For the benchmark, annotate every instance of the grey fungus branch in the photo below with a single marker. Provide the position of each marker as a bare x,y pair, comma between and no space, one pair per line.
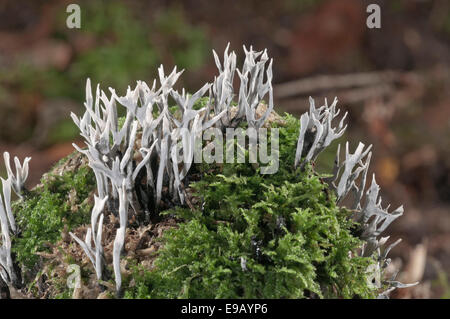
94,234
316,133
18,180
9,271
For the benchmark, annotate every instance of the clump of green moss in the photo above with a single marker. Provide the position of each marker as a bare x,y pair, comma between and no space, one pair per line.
60,201
258,236
249,235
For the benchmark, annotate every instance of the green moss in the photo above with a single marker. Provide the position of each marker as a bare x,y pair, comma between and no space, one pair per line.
41,217
202,102
295,241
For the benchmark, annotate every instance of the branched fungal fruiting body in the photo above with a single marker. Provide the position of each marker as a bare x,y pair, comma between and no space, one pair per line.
353,166
119,241
18,180
8,271
94,234
5,204
316,131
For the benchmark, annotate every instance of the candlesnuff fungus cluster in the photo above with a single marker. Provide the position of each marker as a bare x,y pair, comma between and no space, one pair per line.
18,180
9,272
142,161
316,133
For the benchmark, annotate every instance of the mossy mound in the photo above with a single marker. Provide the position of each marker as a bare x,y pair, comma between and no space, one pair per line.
244,235
258,236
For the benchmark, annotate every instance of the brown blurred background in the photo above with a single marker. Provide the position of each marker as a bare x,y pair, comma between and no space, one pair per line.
394,81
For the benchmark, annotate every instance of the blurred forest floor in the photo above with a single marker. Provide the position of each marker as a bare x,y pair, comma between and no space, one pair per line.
394,81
